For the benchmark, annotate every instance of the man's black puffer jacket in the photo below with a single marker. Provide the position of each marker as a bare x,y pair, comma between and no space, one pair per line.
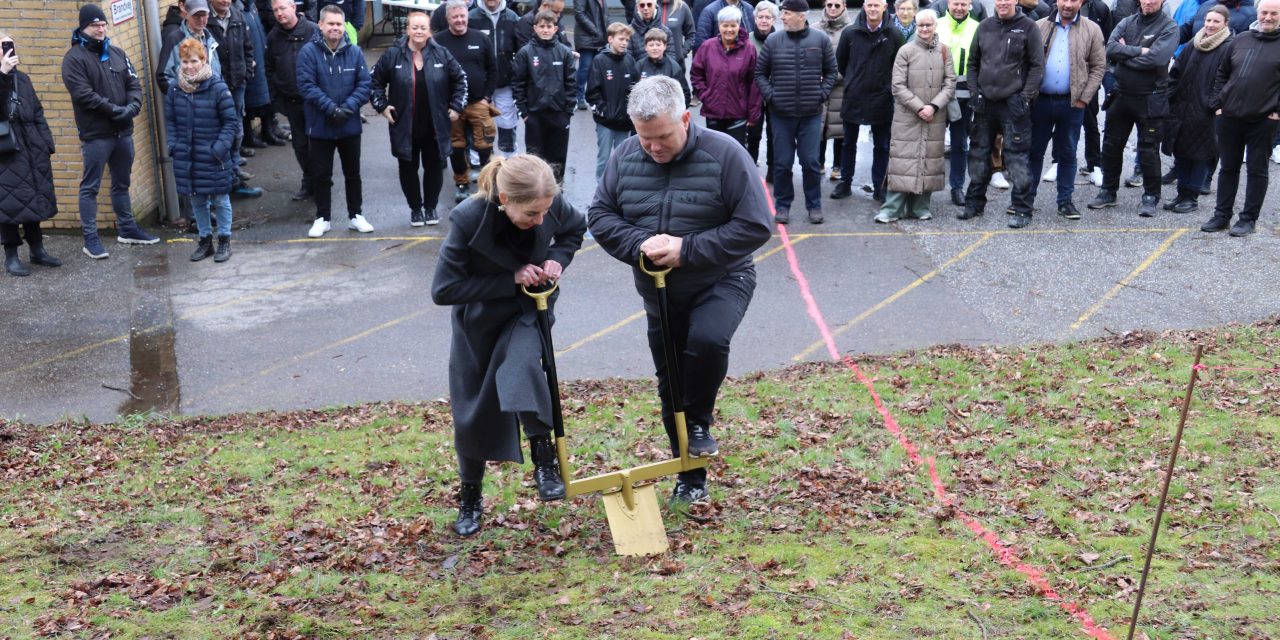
99,77
796,71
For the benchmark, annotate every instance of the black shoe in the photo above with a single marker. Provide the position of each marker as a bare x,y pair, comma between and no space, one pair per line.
546,469
957,197
1148,208
1018,220
470,510
1103,200
815,216
271,137
701,444
13,265
243,175
878,196
1216,223
301,194
204,249
1241,228
41,257
1169,178
1069,211
1185,205
841,191
464,192
1134,180
429,216
970,211
583,106
688,493
223,252
417,218
247,152
782,217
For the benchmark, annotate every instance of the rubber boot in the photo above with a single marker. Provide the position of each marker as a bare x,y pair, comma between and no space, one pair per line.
223,253
470,510
546,469
203,250
39,255
12,264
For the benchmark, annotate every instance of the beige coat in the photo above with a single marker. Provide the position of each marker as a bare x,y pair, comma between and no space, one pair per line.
832,124
922,74
1088,54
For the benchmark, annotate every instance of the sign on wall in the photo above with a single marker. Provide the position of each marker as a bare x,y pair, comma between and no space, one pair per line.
121,11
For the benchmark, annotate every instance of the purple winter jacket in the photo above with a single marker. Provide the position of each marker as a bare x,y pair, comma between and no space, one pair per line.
725,81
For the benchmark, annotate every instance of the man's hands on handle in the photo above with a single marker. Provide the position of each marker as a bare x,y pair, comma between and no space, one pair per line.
532,275
663,250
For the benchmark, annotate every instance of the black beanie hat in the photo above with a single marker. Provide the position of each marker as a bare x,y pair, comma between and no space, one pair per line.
91,13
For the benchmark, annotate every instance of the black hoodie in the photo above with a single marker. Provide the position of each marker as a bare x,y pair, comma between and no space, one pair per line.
1248,82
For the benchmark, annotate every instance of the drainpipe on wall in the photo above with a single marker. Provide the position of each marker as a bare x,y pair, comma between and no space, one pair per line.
150,33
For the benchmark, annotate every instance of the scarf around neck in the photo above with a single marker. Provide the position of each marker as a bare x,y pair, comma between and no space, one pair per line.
1206,43
190,83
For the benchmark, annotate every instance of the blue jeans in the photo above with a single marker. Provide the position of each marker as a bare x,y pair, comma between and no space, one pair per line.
879,153
960,145
584,69
1192,173
1053,118
606,140
237,96
116,155
205,206
796,136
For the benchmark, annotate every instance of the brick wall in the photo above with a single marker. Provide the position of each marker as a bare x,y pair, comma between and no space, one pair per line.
41,30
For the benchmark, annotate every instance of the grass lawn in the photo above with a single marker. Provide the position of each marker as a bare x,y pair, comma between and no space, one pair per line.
335,523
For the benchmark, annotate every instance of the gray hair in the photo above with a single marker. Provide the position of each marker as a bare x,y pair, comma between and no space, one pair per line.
655,96
927,13
766,6
912,3
729,14
455,4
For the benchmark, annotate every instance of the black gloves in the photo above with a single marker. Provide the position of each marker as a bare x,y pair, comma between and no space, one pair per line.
339,115
122,113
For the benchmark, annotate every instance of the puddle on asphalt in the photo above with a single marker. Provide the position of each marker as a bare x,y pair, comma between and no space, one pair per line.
153,361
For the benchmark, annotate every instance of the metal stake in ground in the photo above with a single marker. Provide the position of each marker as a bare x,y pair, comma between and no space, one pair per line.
1164,492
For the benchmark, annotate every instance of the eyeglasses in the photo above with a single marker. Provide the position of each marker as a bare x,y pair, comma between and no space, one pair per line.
834,5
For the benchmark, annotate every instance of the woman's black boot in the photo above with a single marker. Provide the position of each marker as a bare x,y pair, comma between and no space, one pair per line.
203,250
39,255
12,264
546,468
470,510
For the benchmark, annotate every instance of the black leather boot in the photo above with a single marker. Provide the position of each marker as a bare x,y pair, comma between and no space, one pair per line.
470,510
203,250
546,468
40,256
251,138
223,253
12,264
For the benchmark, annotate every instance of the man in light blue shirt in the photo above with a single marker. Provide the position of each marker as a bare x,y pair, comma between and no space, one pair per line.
1074,63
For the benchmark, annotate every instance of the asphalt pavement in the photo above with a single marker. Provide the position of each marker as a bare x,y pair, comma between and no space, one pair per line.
292,322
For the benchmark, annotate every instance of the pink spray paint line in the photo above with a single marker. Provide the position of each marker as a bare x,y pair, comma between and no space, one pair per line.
1005,555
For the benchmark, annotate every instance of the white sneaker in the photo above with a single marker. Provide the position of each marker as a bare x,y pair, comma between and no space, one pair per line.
1051,174
1096,177
1275,154
358,223
319,228
998,181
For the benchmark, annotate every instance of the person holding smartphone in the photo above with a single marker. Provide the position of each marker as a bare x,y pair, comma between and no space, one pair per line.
26,173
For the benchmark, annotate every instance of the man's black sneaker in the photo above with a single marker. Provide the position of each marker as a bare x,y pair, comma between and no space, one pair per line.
1241,228
416,218
957,197
688,493
1103,200
1216,223
1185,205
700,441
429,216
1068,210
1148,207
841,191
782,217
1018,220
970,211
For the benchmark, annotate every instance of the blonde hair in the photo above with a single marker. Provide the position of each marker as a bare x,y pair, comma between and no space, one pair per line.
523,177
618,27
192,48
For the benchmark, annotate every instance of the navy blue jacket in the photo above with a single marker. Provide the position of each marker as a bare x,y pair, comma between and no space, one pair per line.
328,80
201,127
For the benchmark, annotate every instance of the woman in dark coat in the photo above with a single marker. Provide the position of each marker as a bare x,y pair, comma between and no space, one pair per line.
420,88
516,230
201,120
26,174
1189,133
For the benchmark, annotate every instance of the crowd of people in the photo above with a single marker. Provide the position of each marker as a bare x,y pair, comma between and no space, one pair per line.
1198,81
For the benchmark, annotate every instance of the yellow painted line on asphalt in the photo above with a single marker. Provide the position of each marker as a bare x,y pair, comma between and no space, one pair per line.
240,299
998,232
898,294
1164,246
640,314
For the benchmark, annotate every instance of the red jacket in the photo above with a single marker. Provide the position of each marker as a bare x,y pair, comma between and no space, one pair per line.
724,80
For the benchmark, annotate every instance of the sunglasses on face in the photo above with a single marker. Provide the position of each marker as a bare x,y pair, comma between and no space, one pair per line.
834,5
